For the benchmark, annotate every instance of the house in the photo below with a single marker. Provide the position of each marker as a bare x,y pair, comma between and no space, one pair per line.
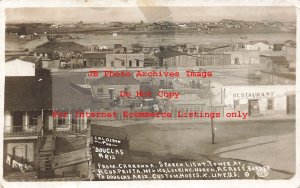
149,62
289,53
27,106
238,46
134,60
120,50
258,45
187,48
176,59
265,96
165,57
69,96
281,50
95,59
55,50
168,48
74,63
290,43
70,131
36,60
117,46
71,154
210,49
214,59
181,48
257,100
71,62
279,78
278,47
276,64
244,57
205,47
136,47
30,102
10,55
150,50
220,49
24,66
95,48
108,88
19,67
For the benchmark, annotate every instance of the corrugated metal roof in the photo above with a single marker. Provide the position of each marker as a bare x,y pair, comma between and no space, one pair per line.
64,46
27,93
262,41
30,59
67,95
167,54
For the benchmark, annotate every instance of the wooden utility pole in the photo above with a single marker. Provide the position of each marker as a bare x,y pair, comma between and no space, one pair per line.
212,120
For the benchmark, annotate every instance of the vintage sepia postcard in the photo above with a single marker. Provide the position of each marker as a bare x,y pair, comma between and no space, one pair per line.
141,92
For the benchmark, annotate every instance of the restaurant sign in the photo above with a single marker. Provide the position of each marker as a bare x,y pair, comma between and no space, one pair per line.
259,95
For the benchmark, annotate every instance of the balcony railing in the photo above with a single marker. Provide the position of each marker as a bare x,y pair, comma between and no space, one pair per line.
33,130
20,130
70,129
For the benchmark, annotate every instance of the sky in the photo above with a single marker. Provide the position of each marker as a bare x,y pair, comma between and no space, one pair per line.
149,14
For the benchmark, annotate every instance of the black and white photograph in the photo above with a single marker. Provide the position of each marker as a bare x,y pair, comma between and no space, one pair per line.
144,93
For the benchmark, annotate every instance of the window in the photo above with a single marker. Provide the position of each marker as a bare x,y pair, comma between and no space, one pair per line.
112,64
161,83
102,63
236,104
127,89
33,119
193,84
123,63
200,84
137,62
100,90
236,61
130,63
98,64
61,121
270,104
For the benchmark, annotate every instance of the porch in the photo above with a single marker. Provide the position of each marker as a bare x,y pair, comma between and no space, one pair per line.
20,131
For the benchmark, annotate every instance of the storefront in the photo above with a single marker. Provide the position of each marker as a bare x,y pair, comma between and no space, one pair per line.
259,100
